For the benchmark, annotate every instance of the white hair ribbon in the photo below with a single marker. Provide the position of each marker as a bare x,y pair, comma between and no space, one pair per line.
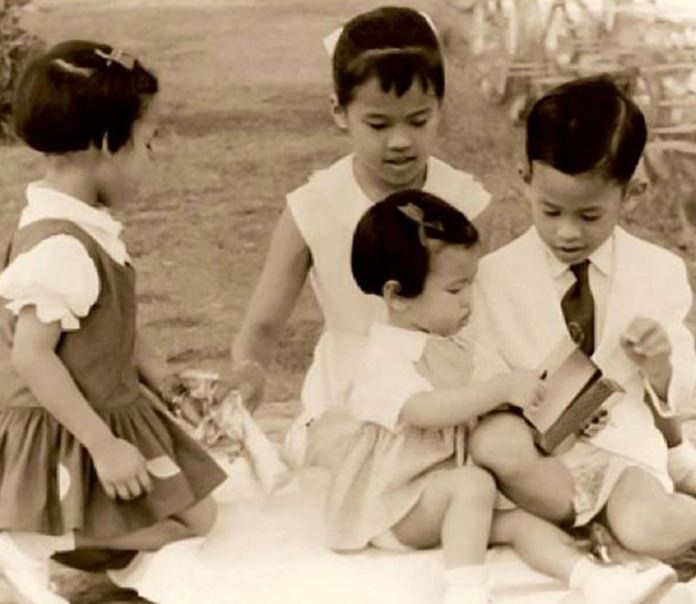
331,40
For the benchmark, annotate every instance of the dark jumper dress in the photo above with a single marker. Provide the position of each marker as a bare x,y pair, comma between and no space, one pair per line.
48,483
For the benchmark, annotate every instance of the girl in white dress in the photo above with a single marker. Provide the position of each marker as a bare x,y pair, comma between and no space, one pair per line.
388,88
403,482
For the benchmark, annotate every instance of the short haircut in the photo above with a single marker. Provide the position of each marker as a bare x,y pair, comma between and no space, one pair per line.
74,96
388,242
398,45
587,125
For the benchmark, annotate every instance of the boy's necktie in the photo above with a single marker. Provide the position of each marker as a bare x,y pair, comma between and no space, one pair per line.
578,308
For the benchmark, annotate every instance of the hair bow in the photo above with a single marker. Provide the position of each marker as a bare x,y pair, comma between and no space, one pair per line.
117,55
415,213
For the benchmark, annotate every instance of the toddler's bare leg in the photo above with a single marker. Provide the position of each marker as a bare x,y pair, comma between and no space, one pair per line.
503,444
456,511
539,543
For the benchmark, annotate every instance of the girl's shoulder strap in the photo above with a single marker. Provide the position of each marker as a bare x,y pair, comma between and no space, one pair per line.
27,237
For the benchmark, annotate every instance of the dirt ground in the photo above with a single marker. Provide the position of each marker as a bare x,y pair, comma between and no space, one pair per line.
245,119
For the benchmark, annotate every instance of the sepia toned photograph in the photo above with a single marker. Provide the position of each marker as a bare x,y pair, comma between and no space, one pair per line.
338,301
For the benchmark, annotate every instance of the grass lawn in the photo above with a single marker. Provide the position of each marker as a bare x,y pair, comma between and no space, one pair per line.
244,105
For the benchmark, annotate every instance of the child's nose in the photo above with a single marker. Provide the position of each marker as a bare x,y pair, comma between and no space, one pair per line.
398,138
568,230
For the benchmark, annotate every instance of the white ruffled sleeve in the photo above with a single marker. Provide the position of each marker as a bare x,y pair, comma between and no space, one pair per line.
57,276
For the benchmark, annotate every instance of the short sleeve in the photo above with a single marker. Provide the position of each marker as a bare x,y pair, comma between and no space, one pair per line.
380,394
57,276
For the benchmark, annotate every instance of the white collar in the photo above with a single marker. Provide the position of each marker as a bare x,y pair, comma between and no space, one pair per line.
45,203
602,258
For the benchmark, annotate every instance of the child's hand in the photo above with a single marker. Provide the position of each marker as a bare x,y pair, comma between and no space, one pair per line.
121,469
249,378
524,388
645,342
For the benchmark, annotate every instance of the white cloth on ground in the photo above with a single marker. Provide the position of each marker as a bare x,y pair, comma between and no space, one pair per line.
263,551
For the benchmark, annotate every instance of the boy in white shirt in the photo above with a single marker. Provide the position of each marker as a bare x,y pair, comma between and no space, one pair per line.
622,299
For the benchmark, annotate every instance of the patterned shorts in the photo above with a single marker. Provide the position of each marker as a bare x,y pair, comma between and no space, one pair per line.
595,473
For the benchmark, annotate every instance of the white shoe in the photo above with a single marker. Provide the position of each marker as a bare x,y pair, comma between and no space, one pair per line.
681,466
28,577
621,585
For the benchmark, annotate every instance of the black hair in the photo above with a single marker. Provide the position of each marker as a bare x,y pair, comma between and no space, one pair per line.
587,125
388,241
396,44
77,93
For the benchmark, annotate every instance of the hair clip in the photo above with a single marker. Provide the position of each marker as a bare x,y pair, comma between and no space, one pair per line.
117,55
415,213
67,67
331,40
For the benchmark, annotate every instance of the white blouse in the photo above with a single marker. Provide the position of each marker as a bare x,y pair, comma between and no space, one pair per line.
57,276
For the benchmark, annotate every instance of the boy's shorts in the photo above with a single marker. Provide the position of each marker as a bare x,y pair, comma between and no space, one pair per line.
595,473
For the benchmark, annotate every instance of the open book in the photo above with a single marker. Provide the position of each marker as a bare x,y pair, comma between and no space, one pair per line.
575,390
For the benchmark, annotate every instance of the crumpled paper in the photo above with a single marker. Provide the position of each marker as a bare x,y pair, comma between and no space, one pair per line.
227,426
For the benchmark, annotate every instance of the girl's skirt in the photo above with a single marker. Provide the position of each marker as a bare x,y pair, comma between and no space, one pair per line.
49,484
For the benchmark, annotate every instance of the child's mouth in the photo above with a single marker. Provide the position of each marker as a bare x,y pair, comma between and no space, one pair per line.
399,161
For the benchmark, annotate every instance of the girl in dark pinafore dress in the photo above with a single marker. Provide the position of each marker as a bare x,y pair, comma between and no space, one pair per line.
86,460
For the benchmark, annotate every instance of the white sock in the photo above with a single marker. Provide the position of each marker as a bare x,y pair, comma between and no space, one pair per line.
41,546
583,569
467,575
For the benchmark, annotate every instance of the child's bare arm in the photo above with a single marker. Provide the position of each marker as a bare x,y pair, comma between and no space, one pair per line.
444,407
120,466
283,276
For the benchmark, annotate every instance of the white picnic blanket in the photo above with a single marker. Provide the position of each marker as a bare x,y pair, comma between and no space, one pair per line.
267,550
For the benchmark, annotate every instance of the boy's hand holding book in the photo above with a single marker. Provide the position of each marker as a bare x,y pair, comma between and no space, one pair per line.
646,343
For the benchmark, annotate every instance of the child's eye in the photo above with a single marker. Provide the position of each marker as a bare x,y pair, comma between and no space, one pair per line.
590,217
377,125
419,123
552,213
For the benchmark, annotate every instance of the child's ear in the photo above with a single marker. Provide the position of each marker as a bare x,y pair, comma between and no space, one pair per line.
338,112
391,294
